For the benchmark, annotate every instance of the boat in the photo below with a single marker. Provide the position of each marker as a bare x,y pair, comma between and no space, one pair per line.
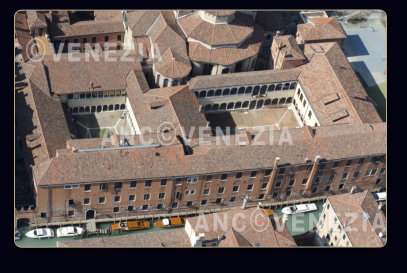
40,233
380,196
131,225
69,231
17,235
268,211
295,209
171,222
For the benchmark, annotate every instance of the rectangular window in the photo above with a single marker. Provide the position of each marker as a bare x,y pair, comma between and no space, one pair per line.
117,186
341,186
87,187
102,186
204,202
349,163
336,164
235,189
261,196
361,161
264,186
43,215
133,184
218,200
70,202
267,173
117,199
163,182
277,185
144,207
206,191
291,183
382,170
148,184
192,180
239,175
224,177
253,174
119,37
331,177
314,190
322,166
70,96
84,40
190,192
76,40
287,193
82,95
209,178
189,204
106,38
250,187
93,39
130,208
160,206
161,195
146,196
232,199
281,171
327,188
317,179
86,201
374,171
67,187
177,195
178,181
132,198
275,195
221,190
71,213
345,176
174,205
102,200
378,181
356,174
304,181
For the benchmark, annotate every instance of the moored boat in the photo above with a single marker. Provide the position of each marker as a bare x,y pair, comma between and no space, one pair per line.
268,211
380,196
131,225
171,222
17,235
295,209
40,233
69,231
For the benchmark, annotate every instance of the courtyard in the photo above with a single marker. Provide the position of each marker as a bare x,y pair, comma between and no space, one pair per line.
254,120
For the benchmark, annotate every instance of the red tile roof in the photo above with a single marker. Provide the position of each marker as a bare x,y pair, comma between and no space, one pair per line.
289,45
321,29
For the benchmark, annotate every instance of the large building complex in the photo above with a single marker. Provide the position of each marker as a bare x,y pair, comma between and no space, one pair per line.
303,129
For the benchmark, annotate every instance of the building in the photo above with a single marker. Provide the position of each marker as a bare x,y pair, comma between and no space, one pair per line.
333,139
352,219
286,53
320,29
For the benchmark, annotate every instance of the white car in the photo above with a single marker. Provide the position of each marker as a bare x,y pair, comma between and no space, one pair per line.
40,233
69,231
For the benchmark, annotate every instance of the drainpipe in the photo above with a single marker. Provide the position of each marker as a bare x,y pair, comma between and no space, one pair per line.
313,172
246,198
272,176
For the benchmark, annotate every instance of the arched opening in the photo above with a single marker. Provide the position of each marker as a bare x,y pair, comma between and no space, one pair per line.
245,104
256,90
175,83
122,106
211,93
165,83
23,222
289,100
267,102
99,109
271,87
104,108
75,109
233,91
259,104
225,70
263,90
241,91
81,109
226,92
274,102
238,105
208,107
230,105
116,107
218,92
279,86
248,90
111,107
293,85
202,94
223,106
87,109
90,214
196,94
215,107
252,104
286,86
282,101
93,109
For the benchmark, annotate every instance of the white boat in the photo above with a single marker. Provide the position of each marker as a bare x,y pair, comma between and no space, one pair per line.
40,233
380,196
17,235
295,209
69,231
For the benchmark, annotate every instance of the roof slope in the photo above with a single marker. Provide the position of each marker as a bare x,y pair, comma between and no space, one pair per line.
321,29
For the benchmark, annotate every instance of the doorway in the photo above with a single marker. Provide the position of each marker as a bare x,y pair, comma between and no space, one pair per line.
90,214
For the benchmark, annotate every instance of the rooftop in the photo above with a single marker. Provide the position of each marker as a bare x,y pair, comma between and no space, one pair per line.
321,29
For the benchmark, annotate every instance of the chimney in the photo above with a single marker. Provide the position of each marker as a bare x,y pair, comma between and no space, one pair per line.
353,189
276,161
317,158
259,205
277,33
246,198
380,206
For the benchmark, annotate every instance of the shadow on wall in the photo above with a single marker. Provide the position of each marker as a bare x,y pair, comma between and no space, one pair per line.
353,46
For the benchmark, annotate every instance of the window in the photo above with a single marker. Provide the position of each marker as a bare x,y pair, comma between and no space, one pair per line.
177,195
116,209
221,190
287,193
86,201
67,187
160,206
235,189
106,38
148,184
206,191
146,196
209,178
331,177
224,177
117,186
277,185
309,114
87,187
117,199
204,202
336,164
382,170
192,180
264,186
239,175
261,196
317,179
378,181
250,187
163,182
291,183
322,166
281,171
345,176
232,199
268,172
43,215
189,204
349,162
341,186
374,171
76,40
218,200
253,174
190,192
71,213
356,174
144,207
132,198
274,195
102,200
174,205
314,190
119,37
178,181
70,202
327,188
161,195
84,40
361,161
304,181
133,184
93,39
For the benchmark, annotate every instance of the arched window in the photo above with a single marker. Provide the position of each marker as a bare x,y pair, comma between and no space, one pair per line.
104,108
99,109
248,90
233,91
271,87
279,86
165,82
252,104
289,100
81,109
267,102
263,90
211,93
256,90
87,109
282,101
241,91
215,107
293,85
111,107
226,92
245,104
202,94
286,86
223,106
75,109
260,104
225,70
174,82
93,109
122,106
218,92
116,107
238,105
274,102
208,107
230,105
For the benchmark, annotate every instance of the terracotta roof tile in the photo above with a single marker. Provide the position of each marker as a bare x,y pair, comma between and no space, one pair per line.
321,29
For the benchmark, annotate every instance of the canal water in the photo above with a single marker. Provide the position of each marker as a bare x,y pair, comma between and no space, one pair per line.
297,224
